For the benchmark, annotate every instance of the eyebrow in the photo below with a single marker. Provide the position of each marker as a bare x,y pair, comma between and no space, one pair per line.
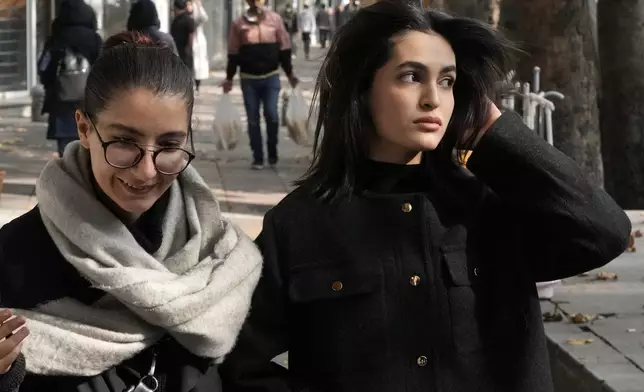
136,132
419,65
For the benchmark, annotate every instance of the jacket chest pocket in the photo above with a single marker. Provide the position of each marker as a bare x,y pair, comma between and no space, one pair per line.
466,300
338,318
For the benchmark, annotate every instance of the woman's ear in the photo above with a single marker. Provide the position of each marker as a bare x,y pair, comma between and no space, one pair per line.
83,125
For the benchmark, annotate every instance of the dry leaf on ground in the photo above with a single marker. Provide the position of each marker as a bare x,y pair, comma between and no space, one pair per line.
631,330
606,276
638,234
552,317
581,318
631,244
580,341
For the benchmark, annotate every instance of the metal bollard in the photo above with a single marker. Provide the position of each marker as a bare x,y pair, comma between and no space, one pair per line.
37,102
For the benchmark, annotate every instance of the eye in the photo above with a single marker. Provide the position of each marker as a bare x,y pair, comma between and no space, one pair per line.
171,144
410,77
447,82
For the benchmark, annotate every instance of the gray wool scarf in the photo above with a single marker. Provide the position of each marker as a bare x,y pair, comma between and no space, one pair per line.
197,287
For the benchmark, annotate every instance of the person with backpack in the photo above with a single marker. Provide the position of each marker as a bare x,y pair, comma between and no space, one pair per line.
64,65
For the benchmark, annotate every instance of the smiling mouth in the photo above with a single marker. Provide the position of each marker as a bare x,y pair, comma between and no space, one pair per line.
136,189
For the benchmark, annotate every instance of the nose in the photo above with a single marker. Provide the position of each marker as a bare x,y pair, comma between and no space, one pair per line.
145,169
430,99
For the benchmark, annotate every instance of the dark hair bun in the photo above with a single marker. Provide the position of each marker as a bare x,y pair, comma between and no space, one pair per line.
130,38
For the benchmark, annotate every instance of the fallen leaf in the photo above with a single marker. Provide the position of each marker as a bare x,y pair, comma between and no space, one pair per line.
21,130
631,330
580,318
607,315
580,341
631,244
638,234
552,317
606,276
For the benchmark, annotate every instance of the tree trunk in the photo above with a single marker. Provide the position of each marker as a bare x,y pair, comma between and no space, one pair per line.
558,36
621,38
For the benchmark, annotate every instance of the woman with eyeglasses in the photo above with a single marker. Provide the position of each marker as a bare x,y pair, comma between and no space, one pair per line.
125,277
392,268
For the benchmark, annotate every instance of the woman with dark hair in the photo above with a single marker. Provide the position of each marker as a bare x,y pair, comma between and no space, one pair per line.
125,277
144,18
391,267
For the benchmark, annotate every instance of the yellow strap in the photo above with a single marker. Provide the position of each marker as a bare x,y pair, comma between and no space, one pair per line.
250,76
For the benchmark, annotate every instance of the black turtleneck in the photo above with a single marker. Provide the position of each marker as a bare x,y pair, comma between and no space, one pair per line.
393,178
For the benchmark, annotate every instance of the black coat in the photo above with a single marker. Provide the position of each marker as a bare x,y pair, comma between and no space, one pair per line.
74,29
427,291
32,271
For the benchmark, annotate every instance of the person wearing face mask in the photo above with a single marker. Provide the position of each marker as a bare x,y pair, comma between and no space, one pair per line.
258,45
125,276
392,268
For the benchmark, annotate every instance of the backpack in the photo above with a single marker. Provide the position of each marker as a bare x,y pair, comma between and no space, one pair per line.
71,77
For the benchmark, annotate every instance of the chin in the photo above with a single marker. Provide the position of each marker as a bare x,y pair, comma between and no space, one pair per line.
429,142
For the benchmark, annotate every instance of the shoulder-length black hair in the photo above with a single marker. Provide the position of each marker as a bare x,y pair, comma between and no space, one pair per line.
344,127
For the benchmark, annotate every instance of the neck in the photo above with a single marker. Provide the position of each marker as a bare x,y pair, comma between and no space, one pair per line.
391,154
255,11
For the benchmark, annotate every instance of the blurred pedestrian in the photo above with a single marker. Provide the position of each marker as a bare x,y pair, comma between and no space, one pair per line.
64,65
258,44
183,31
144,18
306,21
289,17
200,44
323,22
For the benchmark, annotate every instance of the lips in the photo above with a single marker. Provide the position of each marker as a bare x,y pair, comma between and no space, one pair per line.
136,189
429,120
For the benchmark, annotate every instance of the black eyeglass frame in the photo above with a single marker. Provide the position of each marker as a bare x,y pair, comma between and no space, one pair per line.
142,151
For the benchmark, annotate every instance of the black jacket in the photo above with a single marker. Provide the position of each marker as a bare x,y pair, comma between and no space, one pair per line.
32,271
426,291
75,29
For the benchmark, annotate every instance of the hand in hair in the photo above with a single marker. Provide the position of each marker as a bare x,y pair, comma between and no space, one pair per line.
493,114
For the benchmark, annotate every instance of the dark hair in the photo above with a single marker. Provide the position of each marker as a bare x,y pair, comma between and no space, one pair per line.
361,47
143,15
180,4
133,60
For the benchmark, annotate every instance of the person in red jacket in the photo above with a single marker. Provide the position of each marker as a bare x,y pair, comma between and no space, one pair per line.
258,44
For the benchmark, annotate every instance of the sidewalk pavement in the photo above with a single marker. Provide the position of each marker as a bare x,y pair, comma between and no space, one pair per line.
611,356
599,345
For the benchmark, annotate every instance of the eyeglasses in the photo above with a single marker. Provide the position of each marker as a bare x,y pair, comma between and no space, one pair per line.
122,154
